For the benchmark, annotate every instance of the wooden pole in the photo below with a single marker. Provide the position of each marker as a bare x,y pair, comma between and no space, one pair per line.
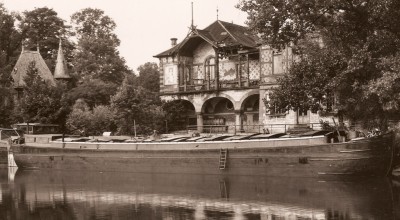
134,127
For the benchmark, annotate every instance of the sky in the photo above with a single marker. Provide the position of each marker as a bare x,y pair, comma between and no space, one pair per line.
144,26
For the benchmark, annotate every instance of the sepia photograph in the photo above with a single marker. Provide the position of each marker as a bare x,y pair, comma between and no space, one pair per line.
199,110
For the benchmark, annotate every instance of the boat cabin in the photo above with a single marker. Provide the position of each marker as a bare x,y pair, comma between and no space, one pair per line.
37,128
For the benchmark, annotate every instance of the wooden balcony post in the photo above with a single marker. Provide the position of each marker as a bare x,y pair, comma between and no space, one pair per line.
184,77
240,72
216,70
248,70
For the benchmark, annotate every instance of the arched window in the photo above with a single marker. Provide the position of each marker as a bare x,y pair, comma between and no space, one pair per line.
209,66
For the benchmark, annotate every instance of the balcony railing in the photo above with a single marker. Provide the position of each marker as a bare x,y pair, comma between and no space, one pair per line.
223,85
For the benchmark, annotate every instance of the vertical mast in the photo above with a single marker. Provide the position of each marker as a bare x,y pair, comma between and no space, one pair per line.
192,18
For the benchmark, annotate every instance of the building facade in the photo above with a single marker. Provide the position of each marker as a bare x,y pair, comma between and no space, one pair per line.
224,74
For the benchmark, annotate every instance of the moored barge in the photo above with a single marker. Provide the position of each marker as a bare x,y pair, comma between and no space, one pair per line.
264,155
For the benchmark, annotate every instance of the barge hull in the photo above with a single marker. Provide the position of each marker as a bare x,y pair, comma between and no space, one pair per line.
372,157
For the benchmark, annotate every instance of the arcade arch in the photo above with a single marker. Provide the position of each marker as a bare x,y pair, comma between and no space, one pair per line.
218,115
181,115
250,113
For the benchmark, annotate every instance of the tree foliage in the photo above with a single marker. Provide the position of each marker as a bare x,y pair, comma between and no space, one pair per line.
84,121
93,92
311,82
149,77
386,89
136,105
363,33
97,56
6,103
42,27
176,114
41,102
10,41
100,103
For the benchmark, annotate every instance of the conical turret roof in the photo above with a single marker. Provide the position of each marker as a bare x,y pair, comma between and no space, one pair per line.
21,67
61,71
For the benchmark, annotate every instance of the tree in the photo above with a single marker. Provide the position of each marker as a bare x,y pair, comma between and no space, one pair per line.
41,102
136,105
175,114
84,121
94,92
9,44
10,41
149,77
310,82
363,33
97,56
42,27
387,88
78,120
6,109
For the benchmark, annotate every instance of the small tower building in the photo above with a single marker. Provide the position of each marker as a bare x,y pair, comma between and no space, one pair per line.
19,72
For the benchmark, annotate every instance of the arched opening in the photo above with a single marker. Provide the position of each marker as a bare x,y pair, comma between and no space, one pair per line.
180,115
218,115
250,113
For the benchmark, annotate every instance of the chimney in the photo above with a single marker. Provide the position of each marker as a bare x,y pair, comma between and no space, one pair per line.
173,41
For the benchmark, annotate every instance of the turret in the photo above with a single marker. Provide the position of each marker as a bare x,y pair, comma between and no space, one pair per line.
61,71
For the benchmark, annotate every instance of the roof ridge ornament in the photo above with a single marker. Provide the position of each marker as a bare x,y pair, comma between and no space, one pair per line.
192,26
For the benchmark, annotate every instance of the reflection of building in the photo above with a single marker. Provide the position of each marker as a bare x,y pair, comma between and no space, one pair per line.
224,73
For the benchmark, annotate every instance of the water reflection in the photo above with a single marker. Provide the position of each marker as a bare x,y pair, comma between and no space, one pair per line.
93,195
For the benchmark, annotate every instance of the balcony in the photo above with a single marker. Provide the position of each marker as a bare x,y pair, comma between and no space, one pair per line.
199,86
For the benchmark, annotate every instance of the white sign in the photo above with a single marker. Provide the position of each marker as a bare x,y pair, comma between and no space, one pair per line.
171,75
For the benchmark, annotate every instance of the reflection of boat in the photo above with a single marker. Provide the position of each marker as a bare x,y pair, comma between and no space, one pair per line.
7,136
203,196
271,156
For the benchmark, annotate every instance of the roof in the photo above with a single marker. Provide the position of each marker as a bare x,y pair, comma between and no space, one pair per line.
20,69
61,71
219,34
34,124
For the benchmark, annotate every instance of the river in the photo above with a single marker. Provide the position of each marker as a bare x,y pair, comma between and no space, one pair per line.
43,194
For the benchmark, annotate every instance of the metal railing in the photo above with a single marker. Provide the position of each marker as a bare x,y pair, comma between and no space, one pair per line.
256,128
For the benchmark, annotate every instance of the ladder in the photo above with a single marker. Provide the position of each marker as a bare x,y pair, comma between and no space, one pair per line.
223,153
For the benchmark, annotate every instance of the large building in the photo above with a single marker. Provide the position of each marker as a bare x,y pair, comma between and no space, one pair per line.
224,73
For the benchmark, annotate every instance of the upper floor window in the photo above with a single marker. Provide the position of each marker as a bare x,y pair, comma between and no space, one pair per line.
209,66
278,62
